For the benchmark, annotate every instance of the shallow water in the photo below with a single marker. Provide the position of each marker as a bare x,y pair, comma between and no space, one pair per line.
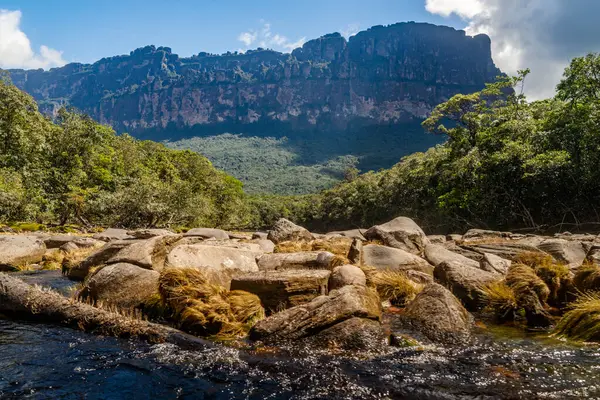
47,362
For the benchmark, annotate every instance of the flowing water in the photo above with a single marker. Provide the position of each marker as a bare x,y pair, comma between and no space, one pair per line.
39,361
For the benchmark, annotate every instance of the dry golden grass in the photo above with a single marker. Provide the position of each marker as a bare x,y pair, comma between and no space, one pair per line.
501,299
395,286
582,321
587,277
205,309
338,245
73,258
522,279
534,259
337,261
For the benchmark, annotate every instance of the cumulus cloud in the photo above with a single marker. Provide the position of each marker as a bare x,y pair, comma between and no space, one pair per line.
15,47
543,35
265,38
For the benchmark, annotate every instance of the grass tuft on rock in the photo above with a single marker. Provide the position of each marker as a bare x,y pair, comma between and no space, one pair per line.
206,309
501,299
587,278
582,321
395,286
522,279
534,259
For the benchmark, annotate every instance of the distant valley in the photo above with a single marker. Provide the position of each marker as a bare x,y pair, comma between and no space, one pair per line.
281,123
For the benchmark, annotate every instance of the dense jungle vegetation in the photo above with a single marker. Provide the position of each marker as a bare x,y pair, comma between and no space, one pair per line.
507,163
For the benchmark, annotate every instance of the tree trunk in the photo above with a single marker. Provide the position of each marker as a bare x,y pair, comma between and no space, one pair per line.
21,300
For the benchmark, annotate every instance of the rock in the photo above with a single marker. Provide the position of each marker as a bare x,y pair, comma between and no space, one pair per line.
436,239
265,245
69,247
346,275
382,257
260,235
436,255
123,285
285,230
239,236
234,244
98,258
351,233
453,247
494,264
439,316
593,254
465,282
279,290
57,241
149,254
112,234
419,277
507,250
304,260
352,334
569,252
401,232
207,233
17,250
321,313
482,234
355,252
453,237
220,263
150,233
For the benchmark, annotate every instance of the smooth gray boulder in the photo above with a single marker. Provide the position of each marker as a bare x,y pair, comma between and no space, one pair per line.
346,275
382,257
351,233
494,264
437,315
436,239
150,233
207,233
149,253
465,282
321,313
483,234
18,250
437,254
303,260
505,249
112,234
354,334
57,241
122,285
568,252
80,270
265,245
260,235
279,290
219,263
285,230
402,233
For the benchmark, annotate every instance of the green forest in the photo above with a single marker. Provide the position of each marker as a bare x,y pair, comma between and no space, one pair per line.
506,163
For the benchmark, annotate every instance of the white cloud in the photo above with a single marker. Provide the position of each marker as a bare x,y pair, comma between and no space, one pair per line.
350,30
543,35
15,47
265,38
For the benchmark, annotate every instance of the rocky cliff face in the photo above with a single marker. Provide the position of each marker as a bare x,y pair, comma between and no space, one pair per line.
381,76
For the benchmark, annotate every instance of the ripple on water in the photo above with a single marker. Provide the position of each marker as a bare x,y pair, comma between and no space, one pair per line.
41,361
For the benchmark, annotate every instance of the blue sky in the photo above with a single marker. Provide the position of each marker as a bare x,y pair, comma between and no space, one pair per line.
86,31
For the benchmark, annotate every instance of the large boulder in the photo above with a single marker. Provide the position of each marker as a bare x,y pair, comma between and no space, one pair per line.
150,233
352,334
220,263
265,245
401,232
437,315
148,254
482,234
437,254
122,285
112,234
494,264
505,249
351,233
260,235
382,257
81,242
322,313
80,270
304,260
207,233
346,275
279,290
17,250
285,230
569,252
465,282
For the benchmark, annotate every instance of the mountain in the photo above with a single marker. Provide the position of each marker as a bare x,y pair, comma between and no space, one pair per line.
332,97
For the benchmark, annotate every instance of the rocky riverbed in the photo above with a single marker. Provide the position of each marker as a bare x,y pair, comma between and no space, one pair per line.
384,312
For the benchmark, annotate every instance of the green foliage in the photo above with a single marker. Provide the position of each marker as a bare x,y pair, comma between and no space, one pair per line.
76,170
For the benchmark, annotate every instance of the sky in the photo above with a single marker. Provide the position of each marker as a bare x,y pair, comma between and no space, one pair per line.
539,34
